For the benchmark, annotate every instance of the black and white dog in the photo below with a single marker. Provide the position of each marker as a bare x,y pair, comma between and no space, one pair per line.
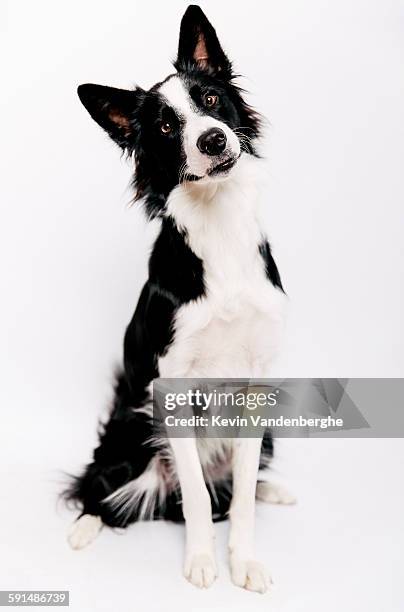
212,307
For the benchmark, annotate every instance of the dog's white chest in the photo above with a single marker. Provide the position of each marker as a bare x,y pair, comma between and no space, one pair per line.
227,333
233,331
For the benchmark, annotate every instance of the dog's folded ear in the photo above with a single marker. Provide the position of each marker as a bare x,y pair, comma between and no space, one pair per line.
113,109
199,45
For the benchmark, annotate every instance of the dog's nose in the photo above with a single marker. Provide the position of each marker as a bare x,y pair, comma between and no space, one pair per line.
212,142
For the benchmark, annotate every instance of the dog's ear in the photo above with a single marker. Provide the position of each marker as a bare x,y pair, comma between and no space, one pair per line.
113,109
199,45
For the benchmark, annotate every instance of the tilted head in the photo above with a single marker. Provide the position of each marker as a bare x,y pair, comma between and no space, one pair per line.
193,126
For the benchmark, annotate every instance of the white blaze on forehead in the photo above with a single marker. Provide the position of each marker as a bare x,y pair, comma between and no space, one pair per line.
178,97
196,123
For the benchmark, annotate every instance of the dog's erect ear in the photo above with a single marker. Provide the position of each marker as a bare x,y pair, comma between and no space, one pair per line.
113,109
199,45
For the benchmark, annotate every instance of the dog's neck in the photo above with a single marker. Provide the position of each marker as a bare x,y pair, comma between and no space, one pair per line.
220,218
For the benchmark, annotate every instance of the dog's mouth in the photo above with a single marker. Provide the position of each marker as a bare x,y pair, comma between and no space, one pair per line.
221,169
224,166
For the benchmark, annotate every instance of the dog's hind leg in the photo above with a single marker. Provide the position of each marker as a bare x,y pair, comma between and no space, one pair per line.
84,531
272,493
122,456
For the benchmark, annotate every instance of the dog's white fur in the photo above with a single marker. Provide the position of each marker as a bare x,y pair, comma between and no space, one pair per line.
233,331
84,531
145,492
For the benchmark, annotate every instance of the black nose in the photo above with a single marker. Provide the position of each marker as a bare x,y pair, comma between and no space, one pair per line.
212,142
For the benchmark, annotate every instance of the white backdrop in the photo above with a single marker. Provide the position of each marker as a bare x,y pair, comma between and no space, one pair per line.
329,78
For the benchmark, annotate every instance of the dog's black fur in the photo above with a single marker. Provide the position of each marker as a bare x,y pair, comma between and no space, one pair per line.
176,275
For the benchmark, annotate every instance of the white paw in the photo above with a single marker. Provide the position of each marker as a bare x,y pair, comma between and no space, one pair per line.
274,494
84,531
200,570
250,575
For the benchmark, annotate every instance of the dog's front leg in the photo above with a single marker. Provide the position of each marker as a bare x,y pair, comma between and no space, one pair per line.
200,565
245,571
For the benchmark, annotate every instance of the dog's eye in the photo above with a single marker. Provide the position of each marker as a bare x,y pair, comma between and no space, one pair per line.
211,100
166,128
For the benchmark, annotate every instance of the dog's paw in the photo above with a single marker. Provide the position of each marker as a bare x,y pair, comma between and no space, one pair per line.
200,570
84,531
274,494
249,574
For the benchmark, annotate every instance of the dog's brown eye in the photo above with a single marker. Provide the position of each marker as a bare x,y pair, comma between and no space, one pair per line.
166,127
211,101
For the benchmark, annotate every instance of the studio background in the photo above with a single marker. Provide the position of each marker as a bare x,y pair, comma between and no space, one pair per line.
329,78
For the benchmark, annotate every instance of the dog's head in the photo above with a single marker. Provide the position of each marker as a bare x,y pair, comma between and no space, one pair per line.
193,126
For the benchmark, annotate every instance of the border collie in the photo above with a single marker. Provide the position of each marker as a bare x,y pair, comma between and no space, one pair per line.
212,307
